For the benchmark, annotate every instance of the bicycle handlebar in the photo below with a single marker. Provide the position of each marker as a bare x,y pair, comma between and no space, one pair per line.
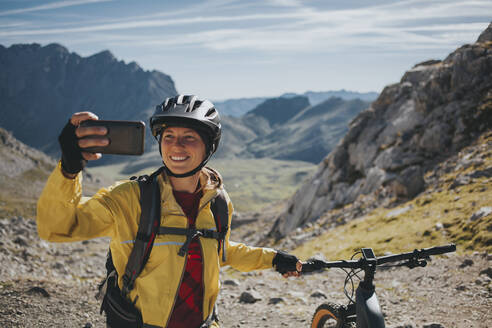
316,265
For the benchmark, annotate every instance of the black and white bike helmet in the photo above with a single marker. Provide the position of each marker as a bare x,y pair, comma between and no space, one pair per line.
188,111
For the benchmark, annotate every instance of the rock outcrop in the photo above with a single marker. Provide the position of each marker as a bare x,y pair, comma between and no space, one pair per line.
438,108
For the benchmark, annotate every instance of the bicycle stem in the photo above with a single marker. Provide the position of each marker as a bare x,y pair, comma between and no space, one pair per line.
369,272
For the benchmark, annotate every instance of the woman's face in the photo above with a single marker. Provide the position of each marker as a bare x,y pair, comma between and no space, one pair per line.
182,149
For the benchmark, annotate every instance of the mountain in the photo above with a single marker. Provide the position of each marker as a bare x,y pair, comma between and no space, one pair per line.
316,97
437,109
309,134
40,87
288,129
239,107
277,111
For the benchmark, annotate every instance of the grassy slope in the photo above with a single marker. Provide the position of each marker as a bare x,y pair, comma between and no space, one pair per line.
387,231
255,183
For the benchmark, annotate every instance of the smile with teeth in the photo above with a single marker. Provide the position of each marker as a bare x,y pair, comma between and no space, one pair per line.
179,158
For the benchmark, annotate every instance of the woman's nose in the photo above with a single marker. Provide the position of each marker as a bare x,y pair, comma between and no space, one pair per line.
179,141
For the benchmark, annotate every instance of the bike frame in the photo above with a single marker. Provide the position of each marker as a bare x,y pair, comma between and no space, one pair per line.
368,311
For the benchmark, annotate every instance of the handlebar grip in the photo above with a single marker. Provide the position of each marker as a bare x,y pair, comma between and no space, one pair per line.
440,249
311,266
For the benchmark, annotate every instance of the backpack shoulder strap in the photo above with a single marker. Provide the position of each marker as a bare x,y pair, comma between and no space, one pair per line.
150,206
220,211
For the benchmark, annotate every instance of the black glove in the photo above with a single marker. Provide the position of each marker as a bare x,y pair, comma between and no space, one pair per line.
284,262
72,161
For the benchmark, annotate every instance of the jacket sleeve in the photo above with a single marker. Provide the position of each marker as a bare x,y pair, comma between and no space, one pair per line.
64,215
243,257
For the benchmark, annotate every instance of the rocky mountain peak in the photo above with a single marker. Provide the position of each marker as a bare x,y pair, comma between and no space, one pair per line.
438,108
41,86
105,54
486,35
56,48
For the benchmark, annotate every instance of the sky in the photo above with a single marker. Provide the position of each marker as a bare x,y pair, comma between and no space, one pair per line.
222,49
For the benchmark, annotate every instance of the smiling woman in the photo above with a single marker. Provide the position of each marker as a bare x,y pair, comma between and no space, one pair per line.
182,149
176,283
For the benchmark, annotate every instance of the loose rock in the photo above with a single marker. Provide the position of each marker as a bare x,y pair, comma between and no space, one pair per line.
433,325
482,212
318,295
250,297
38,290
275,300
466,263
231,282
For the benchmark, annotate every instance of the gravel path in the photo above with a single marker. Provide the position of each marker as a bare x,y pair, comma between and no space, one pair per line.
53,285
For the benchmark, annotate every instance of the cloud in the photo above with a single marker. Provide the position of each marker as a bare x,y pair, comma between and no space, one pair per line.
50,6
401,25
135,24
286,3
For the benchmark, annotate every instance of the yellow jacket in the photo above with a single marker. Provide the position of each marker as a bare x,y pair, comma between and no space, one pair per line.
64,215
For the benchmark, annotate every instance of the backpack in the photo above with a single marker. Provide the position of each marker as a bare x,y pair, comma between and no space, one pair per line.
120,311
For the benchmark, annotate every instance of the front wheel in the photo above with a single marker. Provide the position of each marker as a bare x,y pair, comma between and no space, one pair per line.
330,315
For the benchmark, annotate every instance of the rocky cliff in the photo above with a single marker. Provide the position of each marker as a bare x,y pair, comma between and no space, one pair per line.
40,87
438,108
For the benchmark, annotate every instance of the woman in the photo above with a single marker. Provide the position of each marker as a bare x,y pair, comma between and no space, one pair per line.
171,290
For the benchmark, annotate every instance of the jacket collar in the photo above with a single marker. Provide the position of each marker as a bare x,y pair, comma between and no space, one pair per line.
209,192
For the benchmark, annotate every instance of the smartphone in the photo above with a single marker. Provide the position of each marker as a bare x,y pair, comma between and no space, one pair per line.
125,137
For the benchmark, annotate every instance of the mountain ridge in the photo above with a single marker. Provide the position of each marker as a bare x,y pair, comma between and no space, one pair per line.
240,106
63,82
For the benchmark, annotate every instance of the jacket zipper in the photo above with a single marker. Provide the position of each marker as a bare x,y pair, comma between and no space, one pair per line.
203,276
203,256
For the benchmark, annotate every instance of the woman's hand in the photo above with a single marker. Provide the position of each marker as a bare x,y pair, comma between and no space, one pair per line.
74,138
296,273
286,264
93,136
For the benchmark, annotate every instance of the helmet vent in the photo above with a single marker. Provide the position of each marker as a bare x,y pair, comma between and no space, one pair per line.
164,105
191,101
211,113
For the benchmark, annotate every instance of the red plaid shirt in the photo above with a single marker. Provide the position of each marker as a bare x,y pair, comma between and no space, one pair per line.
187,311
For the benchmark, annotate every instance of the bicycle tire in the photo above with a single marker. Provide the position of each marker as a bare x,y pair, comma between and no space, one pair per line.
329,315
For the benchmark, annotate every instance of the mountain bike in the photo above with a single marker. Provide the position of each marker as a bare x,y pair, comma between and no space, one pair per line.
365,311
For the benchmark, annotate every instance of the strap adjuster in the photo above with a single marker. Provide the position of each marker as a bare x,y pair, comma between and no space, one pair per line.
190,235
